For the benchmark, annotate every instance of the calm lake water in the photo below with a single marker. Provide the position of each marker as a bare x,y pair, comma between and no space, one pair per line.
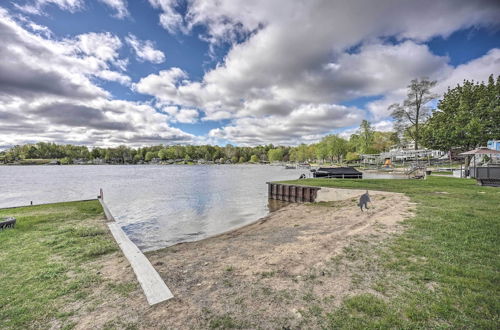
157,206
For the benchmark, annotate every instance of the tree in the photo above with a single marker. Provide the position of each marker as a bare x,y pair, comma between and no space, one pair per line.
467,117
275,155
149,155
321,150
382,141
365,137
351,156
254,159
409,116
332,146
137,157
336,147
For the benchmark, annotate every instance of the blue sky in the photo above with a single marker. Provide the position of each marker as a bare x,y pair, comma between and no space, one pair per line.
110,72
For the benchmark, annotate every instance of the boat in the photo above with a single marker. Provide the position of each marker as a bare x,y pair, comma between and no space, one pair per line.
337,173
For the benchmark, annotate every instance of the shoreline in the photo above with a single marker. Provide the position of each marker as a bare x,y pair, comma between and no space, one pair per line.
280,254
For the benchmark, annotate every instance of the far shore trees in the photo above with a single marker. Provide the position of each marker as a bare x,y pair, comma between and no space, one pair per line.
254,159
467,117
365,133
331,147
412,113
275,155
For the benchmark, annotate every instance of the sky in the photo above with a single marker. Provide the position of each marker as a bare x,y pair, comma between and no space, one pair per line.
148,72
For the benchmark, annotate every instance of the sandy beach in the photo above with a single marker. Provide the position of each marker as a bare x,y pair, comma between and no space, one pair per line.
265,275
259,274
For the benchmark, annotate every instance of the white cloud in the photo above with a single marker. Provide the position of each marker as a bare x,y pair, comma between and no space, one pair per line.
145,50
120,6
305,124
48,93
114,76
288,66
383,126
179,115
101,45
170,19
289,56
163,85
69,5
37,6
478,70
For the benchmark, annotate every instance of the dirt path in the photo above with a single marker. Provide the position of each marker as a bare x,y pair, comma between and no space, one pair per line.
269,274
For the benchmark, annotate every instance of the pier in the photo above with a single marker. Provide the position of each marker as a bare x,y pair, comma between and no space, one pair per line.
292,193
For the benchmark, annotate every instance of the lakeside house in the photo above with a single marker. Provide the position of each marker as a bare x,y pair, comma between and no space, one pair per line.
403,152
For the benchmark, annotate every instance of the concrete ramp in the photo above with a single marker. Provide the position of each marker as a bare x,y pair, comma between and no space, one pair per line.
152,284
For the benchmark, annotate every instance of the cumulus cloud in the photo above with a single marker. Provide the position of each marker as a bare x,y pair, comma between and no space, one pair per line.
48,92
145,50
289,56
288,68
478,70
307,123
170,19
162,85
179,115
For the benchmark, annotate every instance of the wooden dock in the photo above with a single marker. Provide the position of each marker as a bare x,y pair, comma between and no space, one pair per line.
292,193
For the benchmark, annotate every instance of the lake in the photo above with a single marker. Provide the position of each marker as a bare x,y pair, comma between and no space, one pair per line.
157,206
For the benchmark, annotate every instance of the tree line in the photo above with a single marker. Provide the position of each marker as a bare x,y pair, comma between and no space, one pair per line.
467,116
330,148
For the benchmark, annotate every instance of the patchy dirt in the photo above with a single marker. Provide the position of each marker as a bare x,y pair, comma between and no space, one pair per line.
281,272
270,273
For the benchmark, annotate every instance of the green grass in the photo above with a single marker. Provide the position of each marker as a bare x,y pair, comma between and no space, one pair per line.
442,173
45,262
442,272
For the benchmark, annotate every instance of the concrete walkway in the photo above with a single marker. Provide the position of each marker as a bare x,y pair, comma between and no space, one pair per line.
152,284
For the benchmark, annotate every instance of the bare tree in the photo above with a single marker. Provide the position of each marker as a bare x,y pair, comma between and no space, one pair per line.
413,112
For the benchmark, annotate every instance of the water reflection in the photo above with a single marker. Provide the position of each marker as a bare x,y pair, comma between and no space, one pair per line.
157,206
274,205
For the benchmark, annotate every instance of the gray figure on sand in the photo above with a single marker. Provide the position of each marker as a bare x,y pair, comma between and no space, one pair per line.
363,200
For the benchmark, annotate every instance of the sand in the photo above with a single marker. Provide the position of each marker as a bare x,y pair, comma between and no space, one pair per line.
258,275
275,273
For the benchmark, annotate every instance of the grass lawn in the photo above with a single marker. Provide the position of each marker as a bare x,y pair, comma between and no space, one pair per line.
442,272
442,173
50,264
